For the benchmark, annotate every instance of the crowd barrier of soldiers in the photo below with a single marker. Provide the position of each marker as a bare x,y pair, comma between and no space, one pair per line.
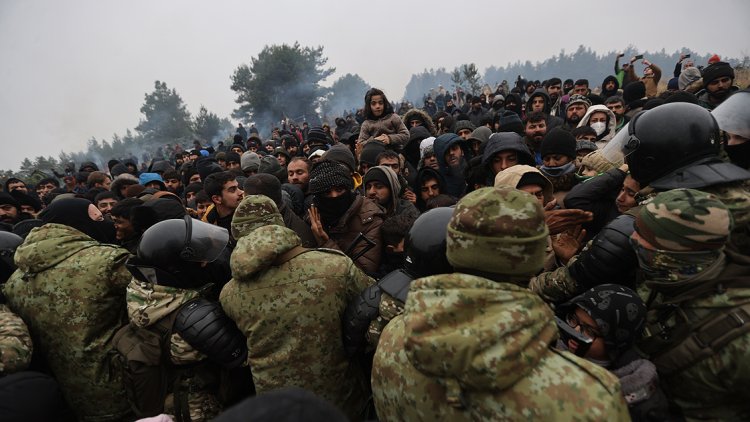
554,251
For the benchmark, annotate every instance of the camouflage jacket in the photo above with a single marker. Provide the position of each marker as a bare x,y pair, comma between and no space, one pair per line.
291,315
714,388
70,289
15,343
467,348
558,285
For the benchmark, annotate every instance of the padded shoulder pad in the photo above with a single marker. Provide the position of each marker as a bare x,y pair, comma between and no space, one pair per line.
610,258
396,283
362,310
205,326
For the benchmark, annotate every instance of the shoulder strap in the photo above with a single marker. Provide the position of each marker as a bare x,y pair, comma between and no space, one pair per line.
288,255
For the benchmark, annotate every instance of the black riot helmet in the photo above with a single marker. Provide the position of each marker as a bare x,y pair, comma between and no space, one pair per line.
181,253
425,244
8,244
667,138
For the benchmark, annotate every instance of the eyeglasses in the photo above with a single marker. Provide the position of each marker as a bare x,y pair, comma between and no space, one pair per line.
587,330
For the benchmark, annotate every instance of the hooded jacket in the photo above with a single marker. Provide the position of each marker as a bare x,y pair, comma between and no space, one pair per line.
512,175
290,313
70,290
455,184
611,129
422,115
397,205
363,216
467,348
539,92
423,174
606,94
506,141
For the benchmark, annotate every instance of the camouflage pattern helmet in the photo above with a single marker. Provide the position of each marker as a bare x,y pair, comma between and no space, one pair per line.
254,211
685,220
498,230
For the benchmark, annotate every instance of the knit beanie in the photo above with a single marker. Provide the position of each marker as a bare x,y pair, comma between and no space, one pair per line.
317,135
463,124
481,134
685,220
377,174
596,161
370,152
633,91
497,230
582,144
8,199
342,154
579,99
619,312
232,157
250,161
206,166
270,165
254,211
418,133
558,141
510,122
672,85
715,71
328,174
688,76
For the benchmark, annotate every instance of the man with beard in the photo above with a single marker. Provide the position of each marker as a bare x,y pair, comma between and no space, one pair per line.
10,209
554,88
718,83
617,105
338,216
536,128
575,110
449,150
610,87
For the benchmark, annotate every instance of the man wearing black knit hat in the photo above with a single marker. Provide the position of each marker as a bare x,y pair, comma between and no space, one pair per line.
558,151
338,216
718,84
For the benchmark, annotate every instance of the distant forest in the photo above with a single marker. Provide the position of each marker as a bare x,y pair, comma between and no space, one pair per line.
581,64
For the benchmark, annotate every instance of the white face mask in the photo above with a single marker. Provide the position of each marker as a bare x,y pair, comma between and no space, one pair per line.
598,127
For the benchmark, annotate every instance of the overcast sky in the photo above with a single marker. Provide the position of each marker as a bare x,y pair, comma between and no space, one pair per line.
72,69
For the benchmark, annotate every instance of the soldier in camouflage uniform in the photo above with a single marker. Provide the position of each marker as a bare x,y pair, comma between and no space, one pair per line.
672,146
698,322
288,302
70,289
475,345
15,340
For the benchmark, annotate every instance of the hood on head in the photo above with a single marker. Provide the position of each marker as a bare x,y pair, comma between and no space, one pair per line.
608,79
507,141
539,92
442,144
257,250
485,335
428,123
609,133
393,184
512,175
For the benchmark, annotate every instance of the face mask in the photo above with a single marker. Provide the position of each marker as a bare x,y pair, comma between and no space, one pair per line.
660,265
739,154
332,209
558,171
598,127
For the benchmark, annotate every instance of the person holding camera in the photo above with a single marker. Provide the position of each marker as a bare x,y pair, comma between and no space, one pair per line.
651,75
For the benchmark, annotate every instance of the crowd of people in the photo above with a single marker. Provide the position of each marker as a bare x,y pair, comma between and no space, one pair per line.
555,251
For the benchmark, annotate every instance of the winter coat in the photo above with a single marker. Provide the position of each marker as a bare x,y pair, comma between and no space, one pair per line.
651,82
467,349
70,290
294,222
363,216
397,205
505,141
390,125
611,129
428,123
290,313
15,343
423,174
455,183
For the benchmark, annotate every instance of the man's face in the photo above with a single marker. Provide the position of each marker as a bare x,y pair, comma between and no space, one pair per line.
617,108
476,104
231,195
535,190
238,150
610,86
537,103
504,160
430,189
415,123
626,198
554,91
105,205
464,133
555,160
172,184
232,165
107,183
648,71
391,162
28,209
20,186
530,88
153,185
536,130
453,156
719,87
201,208
298,174
123,228
8,214
379,192
189,196
44,189
581,89
575,112
431,161
282,159
196,178
293,149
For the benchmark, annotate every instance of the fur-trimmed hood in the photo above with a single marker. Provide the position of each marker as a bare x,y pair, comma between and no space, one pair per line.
428,123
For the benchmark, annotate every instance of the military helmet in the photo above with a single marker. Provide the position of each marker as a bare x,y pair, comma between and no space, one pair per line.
174,252
8,244
667,138
425,244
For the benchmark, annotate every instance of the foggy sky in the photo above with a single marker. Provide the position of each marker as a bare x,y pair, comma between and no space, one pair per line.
71,69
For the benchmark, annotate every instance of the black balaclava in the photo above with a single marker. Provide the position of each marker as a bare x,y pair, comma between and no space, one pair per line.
74,212
739,154
332,209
